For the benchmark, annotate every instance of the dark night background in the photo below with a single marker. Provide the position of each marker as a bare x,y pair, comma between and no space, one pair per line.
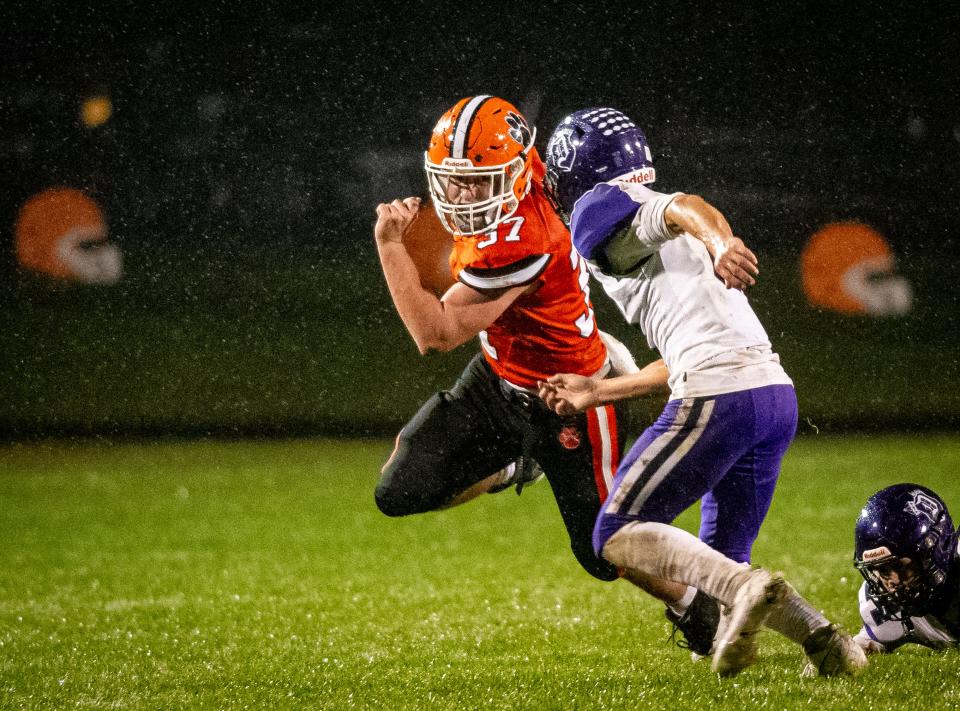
249,146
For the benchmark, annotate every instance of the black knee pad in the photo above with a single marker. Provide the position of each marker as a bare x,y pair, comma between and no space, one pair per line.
389,503
597,567
398,492
416,477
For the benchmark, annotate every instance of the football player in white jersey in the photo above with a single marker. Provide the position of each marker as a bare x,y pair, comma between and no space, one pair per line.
907,551
675,269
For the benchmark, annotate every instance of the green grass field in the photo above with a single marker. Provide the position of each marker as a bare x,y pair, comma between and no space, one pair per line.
260,575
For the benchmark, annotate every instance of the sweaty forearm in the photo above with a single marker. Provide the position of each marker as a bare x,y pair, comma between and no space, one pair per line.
698,218
421,311
651,380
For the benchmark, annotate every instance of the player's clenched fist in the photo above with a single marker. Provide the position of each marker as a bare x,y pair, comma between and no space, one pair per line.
394,218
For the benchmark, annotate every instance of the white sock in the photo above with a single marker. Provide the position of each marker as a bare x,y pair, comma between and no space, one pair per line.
505,474
670,553
681,605
795,618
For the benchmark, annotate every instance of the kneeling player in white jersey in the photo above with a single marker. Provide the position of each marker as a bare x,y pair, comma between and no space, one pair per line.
907,551
732,412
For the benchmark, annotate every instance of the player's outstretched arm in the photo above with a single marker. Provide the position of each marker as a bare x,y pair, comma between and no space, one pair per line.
433,323
567,393
733,262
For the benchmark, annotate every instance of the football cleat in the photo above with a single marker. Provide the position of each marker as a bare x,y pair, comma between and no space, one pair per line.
521,473
831,651
722,625
697,625
737,648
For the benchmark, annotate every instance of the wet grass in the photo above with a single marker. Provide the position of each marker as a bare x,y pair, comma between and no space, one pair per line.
260,575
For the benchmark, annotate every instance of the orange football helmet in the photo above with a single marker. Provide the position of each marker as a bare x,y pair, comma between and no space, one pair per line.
849,267
61,232
479,164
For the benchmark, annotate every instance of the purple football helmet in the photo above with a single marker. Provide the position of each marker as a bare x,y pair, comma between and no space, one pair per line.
905,548
593,146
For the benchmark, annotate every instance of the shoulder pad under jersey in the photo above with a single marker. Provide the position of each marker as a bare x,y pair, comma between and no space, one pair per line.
598,216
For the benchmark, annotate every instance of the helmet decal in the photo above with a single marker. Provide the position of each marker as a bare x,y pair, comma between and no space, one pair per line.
519,130
461,131
876,554
923,505
609,121
562,152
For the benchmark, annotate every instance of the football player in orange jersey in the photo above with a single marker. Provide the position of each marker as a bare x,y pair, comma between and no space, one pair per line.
522,289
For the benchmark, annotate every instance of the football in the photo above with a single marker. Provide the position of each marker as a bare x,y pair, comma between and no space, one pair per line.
429,245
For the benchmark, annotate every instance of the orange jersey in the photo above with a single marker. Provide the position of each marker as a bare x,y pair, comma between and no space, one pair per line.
551,330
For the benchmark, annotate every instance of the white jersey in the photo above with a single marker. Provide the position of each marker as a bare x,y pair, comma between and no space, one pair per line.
709,337
890,634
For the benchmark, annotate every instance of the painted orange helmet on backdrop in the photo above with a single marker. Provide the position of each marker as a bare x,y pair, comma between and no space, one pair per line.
849,267
479,163
62,233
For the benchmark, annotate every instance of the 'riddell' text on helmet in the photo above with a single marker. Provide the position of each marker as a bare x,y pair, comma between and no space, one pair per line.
479,164
594,146
905,548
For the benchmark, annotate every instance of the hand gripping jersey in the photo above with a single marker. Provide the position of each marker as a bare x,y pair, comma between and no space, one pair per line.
551,330
708,335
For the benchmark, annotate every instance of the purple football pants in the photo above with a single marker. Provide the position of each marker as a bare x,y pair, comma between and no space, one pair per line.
724,450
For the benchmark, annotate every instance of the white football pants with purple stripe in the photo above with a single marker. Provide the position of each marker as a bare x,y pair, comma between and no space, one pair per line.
724,450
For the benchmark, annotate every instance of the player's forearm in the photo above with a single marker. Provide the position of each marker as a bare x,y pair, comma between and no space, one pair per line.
733,263
422,313
651,380
698,218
